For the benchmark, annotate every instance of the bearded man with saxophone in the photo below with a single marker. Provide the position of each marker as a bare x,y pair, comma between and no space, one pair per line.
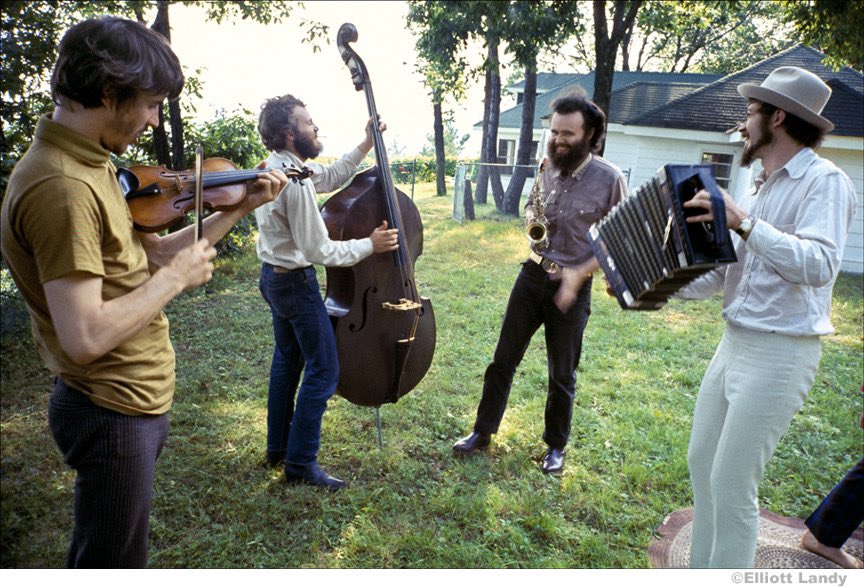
573,189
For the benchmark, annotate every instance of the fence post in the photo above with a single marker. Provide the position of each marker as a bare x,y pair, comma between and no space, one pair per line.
413,174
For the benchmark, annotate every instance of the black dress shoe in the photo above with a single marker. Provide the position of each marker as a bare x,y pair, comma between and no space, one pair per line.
553,462
472,443
312,474
275,458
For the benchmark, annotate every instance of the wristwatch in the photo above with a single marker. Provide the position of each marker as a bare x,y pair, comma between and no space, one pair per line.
746,226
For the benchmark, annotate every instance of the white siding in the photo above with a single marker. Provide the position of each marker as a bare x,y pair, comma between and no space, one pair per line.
643,151
853,164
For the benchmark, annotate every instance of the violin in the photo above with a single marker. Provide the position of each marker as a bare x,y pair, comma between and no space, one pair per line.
158,197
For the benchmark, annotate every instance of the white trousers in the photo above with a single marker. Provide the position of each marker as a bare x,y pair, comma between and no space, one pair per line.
755,384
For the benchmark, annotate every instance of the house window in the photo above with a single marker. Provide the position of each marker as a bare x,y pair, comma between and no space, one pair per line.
722,163
506,151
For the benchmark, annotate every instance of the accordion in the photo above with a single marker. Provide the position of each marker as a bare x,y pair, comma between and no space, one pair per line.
647,249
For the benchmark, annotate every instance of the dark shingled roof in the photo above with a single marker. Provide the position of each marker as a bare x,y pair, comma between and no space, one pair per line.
718,106
703,101
556,84
641,97
547,81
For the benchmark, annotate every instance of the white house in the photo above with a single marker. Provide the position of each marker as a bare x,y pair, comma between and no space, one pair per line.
660,118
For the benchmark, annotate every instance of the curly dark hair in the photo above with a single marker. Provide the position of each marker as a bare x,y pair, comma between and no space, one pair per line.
277,115
595,120
114,57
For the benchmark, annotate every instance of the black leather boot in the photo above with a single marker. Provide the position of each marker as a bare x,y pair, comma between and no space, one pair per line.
553,462
472,443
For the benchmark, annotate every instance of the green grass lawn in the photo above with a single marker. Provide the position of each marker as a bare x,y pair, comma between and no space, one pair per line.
412,505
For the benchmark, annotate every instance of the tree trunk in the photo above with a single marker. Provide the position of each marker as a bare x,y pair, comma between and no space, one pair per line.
490,128
440,160
468,201
160,137
606,47
160,141
526,134
483,171
177,155
494,119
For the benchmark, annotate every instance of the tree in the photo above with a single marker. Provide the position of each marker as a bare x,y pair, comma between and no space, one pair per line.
31,33
442,36
453,143
675,35
445,28
832,26
531,28
606,44
491,116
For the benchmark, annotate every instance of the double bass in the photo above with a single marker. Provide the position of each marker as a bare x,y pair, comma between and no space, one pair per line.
385,332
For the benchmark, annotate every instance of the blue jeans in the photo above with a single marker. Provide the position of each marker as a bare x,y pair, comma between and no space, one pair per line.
531,305
304,343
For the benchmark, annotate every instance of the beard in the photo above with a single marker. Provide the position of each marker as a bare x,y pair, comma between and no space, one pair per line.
568,160
307,147
749,154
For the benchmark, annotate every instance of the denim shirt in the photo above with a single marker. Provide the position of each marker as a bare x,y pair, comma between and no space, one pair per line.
576,201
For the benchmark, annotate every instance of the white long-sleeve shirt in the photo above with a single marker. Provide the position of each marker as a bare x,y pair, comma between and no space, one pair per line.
292,233
786,268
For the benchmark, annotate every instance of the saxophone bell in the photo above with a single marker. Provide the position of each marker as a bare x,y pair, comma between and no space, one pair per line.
537,234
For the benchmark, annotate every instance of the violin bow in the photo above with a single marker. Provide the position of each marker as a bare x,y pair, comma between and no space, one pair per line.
199,190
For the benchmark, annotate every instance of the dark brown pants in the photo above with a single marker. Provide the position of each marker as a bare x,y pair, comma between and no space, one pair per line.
114,456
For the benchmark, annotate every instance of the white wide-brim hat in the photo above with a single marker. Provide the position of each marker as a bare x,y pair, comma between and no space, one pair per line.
795,90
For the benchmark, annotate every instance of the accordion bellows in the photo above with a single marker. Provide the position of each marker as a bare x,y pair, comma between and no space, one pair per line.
647,249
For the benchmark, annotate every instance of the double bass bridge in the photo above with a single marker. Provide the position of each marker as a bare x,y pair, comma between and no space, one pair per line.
402,305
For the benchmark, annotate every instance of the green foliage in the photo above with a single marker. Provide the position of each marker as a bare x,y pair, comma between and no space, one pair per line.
443,31
421,169
412,505
832,26
715,36
709,36
32,30
453,143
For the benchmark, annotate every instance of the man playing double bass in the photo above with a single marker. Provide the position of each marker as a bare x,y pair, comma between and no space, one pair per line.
292,236
553,288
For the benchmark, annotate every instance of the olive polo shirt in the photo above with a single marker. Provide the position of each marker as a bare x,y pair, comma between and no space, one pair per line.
64,213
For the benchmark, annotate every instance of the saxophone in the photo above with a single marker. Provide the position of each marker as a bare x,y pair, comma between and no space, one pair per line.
537,231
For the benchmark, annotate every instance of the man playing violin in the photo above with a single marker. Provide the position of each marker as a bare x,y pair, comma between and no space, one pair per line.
95,289
293,237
